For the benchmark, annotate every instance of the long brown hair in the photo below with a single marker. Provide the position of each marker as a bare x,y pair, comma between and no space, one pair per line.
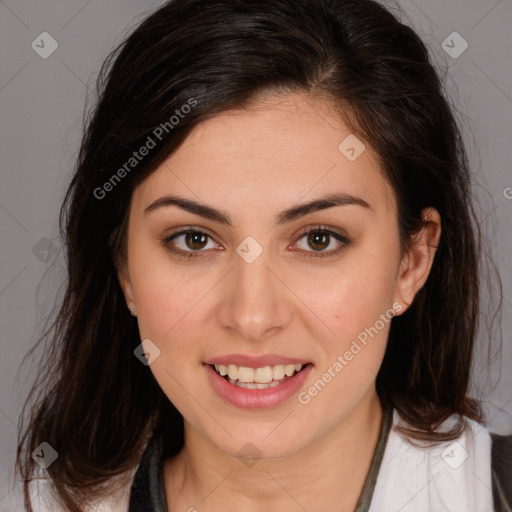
93,401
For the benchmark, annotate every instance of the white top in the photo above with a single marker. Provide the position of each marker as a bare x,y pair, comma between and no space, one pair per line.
453,476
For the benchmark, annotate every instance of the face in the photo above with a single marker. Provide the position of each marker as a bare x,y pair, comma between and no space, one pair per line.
250,287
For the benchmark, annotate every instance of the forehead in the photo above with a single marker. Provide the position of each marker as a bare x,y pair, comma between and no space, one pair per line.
277,150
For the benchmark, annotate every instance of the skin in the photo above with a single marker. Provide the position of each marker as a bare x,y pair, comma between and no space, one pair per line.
252,164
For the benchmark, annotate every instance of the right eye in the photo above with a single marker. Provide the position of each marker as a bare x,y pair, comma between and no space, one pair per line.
192,244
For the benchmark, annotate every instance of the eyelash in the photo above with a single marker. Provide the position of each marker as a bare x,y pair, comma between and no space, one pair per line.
309,254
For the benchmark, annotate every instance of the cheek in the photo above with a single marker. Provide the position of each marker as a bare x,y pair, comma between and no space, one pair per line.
356,294
356,303
162,293
170,313
168,304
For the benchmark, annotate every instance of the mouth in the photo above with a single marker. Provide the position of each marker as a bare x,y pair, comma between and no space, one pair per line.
258,378
256,388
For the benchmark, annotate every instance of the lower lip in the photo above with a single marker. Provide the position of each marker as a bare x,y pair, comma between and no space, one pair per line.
256,398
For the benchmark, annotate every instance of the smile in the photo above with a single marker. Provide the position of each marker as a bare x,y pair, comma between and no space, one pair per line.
257,388
257,378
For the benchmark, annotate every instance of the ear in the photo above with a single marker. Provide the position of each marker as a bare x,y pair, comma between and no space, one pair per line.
126,285
417,262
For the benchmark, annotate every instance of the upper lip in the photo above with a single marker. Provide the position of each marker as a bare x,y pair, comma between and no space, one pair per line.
255,361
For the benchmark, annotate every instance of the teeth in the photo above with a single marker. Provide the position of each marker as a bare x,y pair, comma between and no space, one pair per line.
232,372
264,375
253,385
246,374
278,372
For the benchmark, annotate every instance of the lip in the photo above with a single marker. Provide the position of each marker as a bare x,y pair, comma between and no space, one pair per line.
256,398
255,361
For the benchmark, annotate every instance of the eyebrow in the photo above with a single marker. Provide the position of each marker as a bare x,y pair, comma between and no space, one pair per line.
295,212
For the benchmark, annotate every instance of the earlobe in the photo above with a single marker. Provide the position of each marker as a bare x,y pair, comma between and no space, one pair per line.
417,262
126,286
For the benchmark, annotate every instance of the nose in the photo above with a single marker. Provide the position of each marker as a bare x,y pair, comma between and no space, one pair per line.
256,302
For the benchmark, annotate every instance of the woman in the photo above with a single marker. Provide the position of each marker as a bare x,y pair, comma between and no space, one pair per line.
273,283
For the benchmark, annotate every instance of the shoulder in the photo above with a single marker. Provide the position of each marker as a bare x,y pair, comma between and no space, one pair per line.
446,476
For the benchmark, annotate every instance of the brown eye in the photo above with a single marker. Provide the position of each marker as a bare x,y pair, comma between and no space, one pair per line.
195,240
319,239
189,243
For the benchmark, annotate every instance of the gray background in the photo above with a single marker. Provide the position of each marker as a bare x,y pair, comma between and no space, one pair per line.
42,101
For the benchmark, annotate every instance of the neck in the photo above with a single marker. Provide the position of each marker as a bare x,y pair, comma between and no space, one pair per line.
330,469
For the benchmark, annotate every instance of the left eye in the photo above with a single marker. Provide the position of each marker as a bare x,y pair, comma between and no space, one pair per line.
322,237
